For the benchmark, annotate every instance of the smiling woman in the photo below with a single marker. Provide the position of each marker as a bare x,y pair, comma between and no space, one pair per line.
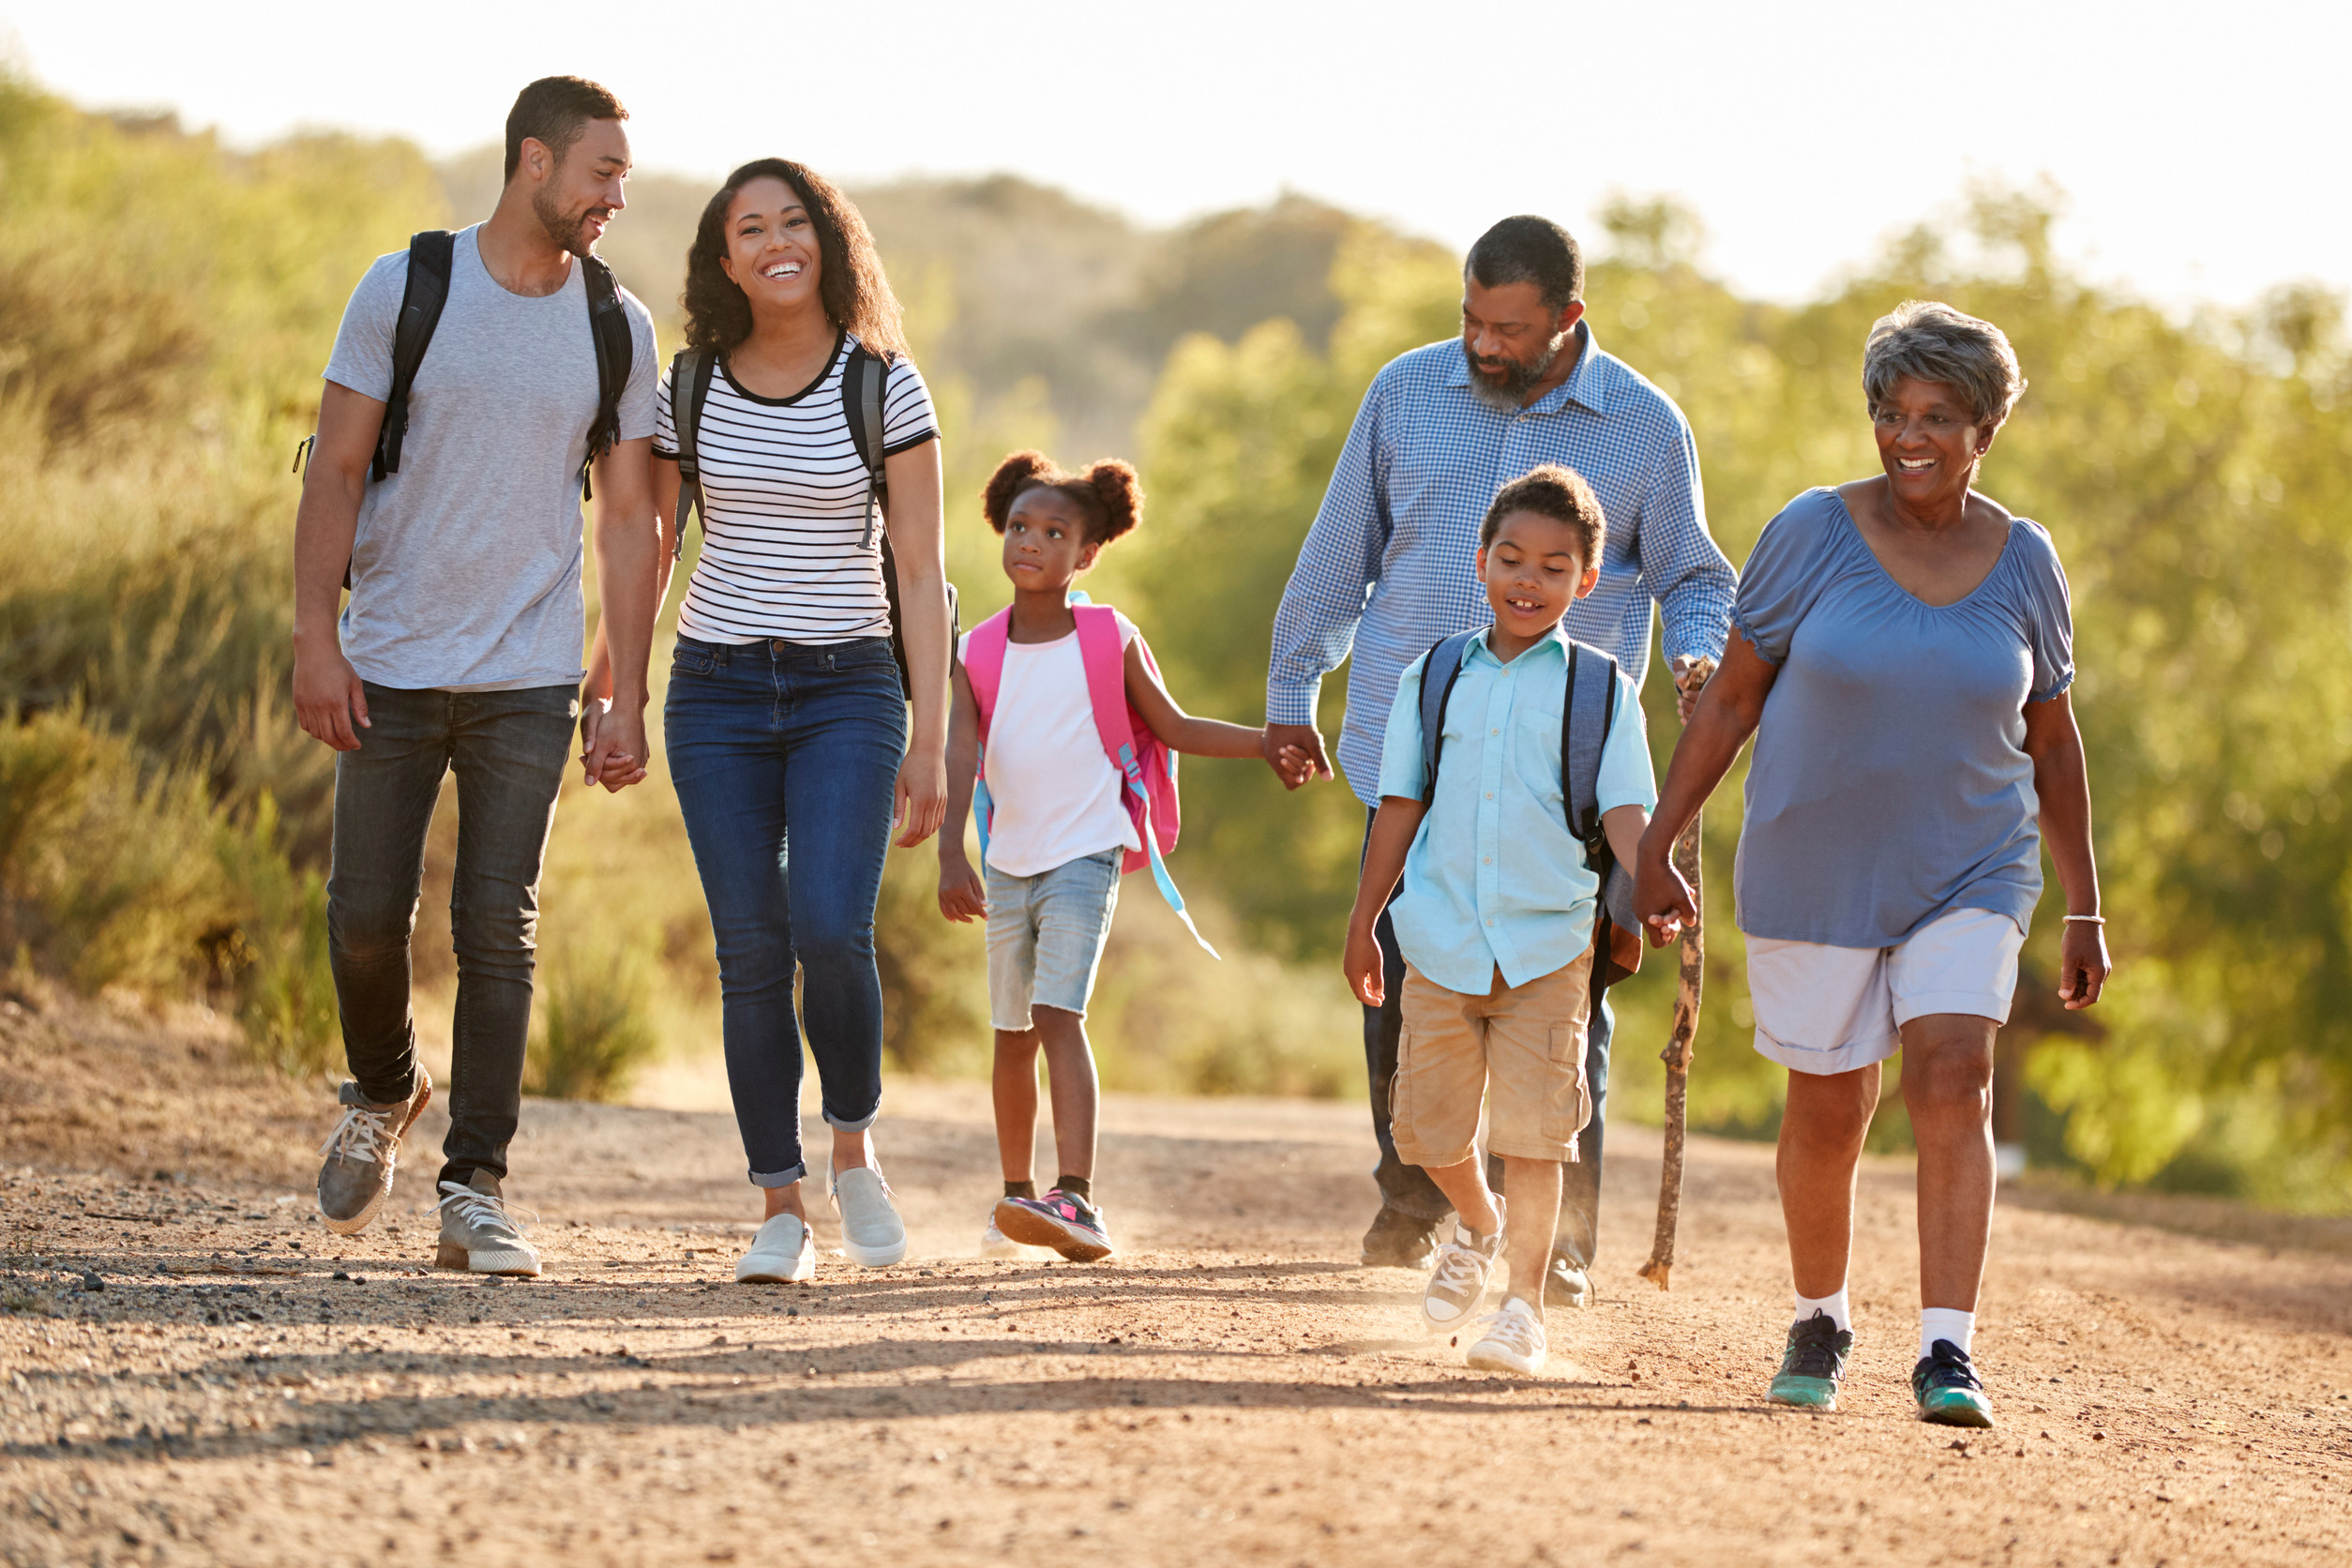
1904,653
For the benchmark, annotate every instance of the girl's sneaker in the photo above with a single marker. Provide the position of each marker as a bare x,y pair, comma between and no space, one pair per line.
1946,1386
781,1254
1068,1223
995,1244
1457,1279
1513,1341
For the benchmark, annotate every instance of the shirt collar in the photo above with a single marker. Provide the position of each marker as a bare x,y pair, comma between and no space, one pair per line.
1587,384
1556,637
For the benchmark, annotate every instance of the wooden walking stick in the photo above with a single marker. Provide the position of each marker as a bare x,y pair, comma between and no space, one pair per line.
1677,1055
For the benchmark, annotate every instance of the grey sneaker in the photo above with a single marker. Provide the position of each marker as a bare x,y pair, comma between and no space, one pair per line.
873,1234
360,1154
476,1232
1457,1279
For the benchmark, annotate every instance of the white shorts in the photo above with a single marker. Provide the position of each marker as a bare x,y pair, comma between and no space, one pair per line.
1822,1009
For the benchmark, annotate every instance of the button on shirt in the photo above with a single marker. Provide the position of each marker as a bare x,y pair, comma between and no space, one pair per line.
1386,570
1494,878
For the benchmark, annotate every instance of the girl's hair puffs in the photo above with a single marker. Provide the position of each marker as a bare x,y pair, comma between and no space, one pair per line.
1107,493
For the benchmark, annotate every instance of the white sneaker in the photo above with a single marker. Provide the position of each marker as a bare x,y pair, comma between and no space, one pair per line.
994,1243
1513,1341
1457,1276
781,1254
873,1234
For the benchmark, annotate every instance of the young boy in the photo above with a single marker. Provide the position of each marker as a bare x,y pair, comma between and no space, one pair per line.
1496,914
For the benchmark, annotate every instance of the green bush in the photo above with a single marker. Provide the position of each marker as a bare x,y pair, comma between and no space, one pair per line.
594,1032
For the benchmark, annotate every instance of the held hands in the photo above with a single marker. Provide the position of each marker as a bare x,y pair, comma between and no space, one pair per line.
1295,752
1661,895
962,896
1691,671
611,745
1363,963
2083,964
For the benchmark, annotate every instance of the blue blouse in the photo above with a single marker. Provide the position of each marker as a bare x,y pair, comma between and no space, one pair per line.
1890,783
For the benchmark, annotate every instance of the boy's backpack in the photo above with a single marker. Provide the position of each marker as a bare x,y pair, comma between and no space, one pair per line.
862,381
432,255
1144,760
1585,717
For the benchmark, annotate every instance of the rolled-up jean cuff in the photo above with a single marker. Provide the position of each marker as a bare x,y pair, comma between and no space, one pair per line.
780,1178
857,1126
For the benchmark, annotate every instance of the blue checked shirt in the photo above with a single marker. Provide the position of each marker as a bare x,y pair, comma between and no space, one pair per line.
1387,570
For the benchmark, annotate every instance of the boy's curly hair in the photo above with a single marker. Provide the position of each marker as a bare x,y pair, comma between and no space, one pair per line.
1557,492
1107,493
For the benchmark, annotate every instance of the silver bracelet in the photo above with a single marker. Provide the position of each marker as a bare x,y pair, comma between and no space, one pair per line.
2089,919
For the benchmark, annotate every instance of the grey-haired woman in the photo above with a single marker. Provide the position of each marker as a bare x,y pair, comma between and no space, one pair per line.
1904,651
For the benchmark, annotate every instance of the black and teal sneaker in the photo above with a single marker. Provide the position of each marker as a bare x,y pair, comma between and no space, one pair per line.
1814,1364
1946,1386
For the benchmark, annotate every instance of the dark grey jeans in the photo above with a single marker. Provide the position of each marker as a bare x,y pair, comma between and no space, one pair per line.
508,749
1408,1187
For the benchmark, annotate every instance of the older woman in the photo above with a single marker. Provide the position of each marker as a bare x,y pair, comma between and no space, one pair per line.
1903,656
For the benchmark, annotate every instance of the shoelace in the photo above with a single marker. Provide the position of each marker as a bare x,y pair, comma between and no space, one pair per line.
355,1135
1457,1268
1813,1348
1516,1330
1954,1370
480,1208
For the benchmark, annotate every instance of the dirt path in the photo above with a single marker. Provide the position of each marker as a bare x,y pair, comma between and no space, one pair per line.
1234,1389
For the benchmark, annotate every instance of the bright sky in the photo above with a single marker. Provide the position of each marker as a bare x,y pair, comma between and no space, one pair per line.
2195,142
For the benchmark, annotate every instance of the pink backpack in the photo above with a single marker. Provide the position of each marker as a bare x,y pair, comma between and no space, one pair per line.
1141,758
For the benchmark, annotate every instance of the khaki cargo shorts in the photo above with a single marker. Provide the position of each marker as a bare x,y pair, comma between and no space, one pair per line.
1521,1050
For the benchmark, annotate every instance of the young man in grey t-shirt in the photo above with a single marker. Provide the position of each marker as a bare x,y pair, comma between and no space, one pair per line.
461,647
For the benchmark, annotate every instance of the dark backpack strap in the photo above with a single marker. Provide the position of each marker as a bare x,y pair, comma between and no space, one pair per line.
422,296
862,380
1438,675
1585,720
690,372
616,356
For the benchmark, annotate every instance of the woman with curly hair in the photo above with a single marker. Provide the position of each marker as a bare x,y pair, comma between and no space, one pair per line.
787,726
1044,683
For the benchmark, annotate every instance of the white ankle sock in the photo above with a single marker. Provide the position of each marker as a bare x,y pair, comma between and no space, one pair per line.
1834,1305
1946,1323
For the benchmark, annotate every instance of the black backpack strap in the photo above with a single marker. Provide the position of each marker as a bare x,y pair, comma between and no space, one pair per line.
426,292
690,372
616,356
862,380
1438,675
1585,719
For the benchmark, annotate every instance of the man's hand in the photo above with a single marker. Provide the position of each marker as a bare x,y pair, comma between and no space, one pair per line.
611,745
962,896
1691,671
1364,965
328,697
1308,762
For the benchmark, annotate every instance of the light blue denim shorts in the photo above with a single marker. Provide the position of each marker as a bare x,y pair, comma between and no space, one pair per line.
1046,936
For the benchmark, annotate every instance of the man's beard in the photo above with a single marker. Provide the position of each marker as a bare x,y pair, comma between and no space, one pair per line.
1506,390
566,229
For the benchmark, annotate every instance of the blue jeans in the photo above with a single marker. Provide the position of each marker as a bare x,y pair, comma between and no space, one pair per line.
784,756
1408,1187
508,749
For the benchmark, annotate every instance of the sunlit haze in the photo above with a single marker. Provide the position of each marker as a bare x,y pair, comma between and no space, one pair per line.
2196,145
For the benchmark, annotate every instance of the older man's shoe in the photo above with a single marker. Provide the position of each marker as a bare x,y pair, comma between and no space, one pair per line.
1399,1240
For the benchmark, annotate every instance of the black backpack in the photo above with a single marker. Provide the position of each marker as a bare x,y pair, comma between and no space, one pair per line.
1585,717
430,255
862,381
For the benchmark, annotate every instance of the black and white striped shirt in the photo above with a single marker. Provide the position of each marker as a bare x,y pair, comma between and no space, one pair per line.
783,550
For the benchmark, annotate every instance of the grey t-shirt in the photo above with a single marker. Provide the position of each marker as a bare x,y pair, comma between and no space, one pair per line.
465,573
1890,783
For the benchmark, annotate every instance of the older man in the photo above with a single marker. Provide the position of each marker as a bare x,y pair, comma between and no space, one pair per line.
1386,572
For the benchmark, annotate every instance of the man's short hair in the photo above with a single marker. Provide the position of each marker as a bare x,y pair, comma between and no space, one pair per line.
1529,249
1556,492
553,111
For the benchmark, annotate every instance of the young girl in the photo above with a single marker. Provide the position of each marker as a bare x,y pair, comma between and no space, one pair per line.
1058,831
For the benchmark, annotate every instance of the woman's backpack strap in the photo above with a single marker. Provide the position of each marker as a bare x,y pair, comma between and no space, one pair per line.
690,372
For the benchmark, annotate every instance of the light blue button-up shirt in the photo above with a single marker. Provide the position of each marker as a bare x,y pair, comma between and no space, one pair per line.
1386,570
1495,879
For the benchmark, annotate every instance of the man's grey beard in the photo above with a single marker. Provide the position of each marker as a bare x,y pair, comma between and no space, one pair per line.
1508,393
568,230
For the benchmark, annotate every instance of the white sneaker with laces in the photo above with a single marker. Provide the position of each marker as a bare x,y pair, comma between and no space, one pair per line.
873,1234
1513,1341
478,1234
781,1254
1457,1276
